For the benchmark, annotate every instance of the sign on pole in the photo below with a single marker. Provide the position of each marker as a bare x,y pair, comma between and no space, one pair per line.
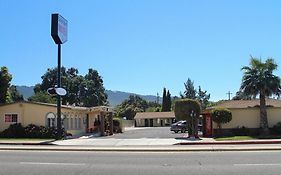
59,29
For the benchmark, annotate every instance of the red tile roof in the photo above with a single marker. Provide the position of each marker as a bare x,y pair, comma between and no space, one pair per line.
231,104
154,115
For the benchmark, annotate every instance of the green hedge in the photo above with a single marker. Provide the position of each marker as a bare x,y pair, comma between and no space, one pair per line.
30,131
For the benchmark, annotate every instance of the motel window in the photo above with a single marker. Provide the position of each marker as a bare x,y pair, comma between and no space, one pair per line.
51,120
11,118
65,122
71,123
79,123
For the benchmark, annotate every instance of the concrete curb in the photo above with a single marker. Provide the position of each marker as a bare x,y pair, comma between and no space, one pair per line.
248,142
213,148
28,143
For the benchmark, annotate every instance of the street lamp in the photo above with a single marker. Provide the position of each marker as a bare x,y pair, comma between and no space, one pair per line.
192,115
59,35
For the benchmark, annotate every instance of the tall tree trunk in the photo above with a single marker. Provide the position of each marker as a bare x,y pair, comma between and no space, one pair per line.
263,115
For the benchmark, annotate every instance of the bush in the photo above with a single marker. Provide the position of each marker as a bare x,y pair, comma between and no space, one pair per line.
117,125
14,131
221,116
243,131
30,131
277,128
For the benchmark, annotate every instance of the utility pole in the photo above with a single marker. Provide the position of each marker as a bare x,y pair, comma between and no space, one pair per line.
229,93
157,98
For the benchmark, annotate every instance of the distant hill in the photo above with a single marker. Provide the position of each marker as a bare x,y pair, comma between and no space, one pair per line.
114,97
117,97
26,91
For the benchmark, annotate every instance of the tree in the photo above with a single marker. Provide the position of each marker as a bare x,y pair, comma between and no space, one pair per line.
14,94
5,79
221,116
190,91
169,101
189,110
203,98
81,90
166,101
164,98
129,107
258,79
94,92
241,96
42,97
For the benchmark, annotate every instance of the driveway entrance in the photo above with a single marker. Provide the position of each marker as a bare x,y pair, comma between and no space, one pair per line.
147,132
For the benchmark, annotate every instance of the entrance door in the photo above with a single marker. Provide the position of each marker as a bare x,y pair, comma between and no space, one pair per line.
151,122
146,122
161,122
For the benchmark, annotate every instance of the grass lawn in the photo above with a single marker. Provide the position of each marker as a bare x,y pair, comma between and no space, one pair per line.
247,137
235,138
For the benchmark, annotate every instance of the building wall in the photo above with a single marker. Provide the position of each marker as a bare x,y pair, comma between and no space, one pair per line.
156,122
250,118
36,114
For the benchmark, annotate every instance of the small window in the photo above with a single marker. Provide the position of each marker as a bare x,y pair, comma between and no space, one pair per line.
51,120
79,123
11,118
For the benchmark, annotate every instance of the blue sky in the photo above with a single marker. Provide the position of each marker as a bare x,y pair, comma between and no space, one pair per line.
141,46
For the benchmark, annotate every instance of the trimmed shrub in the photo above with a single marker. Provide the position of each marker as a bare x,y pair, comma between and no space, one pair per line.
221,116
189,110
14,131
277,128
241,131
30,131
117,125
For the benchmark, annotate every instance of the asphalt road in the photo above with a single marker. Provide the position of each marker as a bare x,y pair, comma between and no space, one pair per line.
139,163
148,132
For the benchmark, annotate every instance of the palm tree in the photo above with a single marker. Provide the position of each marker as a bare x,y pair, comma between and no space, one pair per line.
258,79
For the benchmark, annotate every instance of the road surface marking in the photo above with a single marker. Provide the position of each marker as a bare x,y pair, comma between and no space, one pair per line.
51,163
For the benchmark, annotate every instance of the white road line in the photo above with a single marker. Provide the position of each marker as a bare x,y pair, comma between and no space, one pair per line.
262,164
51,163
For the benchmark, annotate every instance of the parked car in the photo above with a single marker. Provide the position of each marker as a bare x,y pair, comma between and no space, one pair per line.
181,126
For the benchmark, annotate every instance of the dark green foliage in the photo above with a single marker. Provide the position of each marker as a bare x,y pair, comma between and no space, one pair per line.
85,90
42,97
169,101
241,96
14,94
221,116
190,91
117,125
14,131
277,128
131,106
30,131
5,79
166,101
189,110
203,98
241,131
183,108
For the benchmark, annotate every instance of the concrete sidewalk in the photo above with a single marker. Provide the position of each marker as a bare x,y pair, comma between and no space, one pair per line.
128,142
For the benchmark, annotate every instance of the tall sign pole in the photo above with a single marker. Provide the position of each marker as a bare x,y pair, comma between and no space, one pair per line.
59,35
